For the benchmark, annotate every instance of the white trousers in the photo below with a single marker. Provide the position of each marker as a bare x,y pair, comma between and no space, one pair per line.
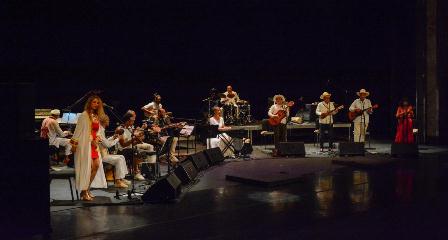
360,131
119,163
65,142
147,147
219,142
172,149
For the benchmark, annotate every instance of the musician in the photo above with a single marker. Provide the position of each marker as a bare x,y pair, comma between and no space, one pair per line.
404,115
51,130
325,110
164,129
130,137
280,129
230,97
363,106
151,110
85,143
218,141
118,161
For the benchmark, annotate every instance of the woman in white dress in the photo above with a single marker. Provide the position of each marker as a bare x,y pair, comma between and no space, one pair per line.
85,147
218,141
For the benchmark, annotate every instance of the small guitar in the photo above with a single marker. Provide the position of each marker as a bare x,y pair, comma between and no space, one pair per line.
325,114
274,121
353,115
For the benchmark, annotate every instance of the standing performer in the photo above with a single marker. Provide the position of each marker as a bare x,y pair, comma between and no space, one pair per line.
279,129
216,119
51,130
85,146
151,109
363,107
404,115
325,110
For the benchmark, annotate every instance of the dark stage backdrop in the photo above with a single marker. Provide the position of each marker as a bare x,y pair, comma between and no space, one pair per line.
181,49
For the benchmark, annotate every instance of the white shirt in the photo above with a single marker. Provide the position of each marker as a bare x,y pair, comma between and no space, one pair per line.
154,106
55,132
361,105
274,110
127,136
323,107
220,123
233,100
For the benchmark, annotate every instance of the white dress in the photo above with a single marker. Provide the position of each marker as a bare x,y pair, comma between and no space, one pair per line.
218,141
83,155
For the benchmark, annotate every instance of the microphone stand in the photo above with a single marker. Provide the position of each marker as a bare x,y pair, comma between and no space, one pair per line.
70,107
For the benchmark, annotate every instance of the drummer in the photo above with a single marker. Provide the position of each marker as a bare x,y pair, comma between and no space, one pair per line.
230,97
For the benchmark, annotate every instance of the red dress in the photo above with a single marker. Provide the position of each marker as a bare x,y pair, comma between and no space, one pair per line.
95,128
404,128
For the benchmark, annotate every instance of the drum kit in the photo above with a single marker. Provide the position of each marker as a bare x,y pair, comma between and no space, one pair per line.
237,113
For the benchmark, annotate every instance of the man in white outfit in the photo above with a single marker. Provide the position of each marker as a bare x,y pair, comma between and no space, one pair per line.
51,130
363,106
118,161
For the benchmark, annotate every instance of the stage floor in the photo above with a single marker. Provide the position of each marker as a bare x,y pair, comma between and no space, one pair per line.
405,200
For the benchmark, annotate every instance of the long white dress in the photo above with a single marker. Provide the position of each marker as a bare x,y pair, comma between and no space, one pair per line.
83,154
218,141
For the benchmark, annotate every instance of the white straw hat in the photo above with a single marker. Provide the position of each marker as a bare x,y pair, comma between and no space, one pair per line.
55,112
324,95
363,91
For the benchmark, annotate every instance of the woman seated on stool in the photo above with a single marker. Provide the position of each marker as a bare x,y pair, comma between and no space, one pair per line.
118,161
218,141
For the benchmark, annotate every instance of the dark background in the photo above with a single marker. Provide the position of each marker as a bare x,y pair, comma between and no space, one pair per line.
181,49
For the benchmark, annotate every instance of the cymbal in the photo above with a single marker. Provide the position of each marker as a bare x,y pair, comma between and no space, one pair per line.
242,102
221,95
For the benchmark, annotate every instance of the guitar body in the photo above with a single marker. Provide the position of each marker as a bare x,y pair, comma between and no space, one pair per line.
274,121
353,115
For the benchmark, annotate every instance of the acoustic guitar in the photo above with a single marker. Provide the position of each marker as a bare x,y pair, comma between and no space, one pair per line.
274,121
325,114
353,115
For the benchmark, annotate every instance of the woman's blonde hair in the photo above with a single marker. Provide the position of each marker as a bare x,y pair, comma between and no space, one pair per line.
89,110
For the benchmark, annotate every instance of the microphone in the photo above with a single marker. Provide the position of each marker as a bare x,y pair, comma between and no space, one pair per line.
108,106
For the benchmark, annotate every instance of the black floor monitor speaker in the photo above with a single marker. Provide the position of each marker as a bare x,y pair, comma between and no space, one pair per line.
186,172
165,189
214,156
404,150
199,161
351,149
291,149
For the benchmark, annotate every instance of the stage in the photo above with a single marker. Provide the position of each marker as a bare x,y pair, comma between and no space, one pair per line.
320,192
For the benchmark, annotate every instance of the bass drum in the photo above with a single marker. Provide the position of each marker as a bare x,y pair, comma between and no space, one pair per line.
230,114
244,114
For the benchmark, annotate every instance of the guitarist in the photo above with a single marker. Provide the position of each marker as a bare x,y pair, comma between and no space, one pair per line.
325,110
362,106
280,129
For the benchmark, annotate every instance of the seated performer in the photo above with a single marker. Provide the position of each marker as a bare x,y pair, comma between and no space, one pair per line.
51,130
231,97
325,110
404,115
218,141
363,106
130,137
118,161
151,110
164,129
280,129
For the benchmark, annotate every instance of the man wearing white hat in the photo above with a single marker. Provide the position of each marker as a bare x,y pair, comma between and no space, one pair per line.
363,106
280,129
51,130
325,110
